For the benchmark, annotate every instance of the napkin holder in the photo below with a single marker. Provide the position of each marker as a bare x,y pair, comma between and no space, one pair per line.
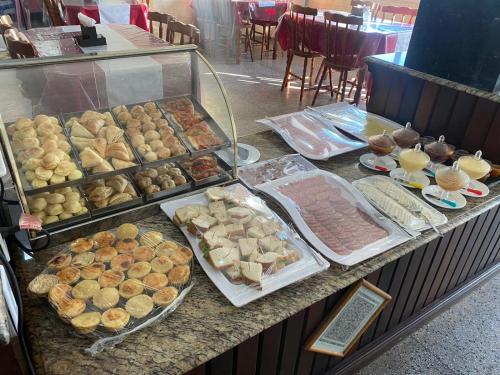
90,38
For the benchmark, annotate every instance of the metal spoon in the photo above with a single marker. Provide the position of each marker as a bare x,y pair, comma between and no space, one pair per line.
420,213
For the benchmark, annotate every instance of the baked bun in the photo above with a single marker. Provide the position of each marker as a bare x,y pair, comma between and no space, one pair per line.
103,239
165,296
152,238
81,245
161,264
139,270
106,298
111,278
179,275
85,289
87,322
155,281
126,246
92,271
69,275
139,306
182,255
105,254
122,262
71,308
59,293
59,261
83,259
41,284
115,319
130,288
144,253
166,248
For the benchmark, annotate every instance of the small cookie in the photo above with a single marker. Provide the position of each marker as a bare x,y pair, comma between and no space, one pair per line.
122,262
144,253
59,293
59,261
92,271
69,275
126,246
85,289
130,288
127,231
165,296
87,322
166,248
71,308
152,238
103,239
139,306
106,298
155,281
111,278
182,255
179,275
115,319
161,264
81,245
83,259
105,254
139,270
41,284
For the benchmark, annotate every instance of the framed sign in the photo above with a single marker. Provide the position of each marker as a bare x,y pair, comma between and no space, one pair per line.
349,320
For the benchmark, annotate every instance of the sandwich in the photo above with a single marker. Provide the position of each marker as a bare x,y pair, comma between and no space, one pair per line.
251,272
216,207
240,215
268,260
223,257
271,243
255,232
235,231
201,224
185,214
247,246
215,193
234,272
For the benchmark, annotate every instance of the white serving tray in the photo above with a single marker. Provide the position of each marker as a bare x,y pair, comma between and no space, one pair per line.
396,234
241,294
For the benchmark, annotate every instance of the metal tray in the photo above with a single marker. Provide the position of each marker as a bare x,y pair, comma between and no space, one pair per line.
223,175
226,142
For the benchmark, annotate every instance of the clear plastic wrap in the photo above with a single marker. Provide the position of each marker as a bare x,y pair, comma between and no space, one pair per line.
355,121
311,136
335,218
398,203
116,282
245,248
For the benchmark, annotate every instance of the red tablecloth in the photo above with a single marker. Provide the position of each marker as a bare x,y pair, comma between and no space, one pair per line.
138,14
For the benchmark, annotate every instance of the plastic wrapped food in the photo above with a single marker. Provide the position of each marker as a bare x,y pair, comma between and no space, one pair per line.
245,248
116,282
335,218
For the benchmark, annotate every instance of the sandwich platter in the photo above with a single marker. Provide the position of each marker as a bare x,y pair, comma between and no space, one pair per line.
245,248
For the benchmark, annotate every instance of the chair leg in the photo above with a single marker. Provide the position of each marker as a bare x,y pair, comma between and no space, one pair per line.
268,36
304,71
341,73
331,81
318,76
289,59
275,46
323,74
311,74
343,86
263,42
250,47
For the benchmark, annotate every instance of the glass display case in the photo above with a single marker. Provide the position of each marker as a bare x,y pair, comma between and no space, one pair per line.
85,137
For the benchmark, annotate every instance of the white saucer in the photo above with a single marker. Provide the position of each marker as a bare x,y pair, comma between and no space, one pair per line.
385,162
476,185
432,192
429,173
419,177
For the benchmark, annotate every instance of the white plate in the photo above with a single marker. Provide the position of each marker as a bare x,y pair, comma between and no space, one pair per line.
419,177
432,191
396,235
384,161
241,294
476,185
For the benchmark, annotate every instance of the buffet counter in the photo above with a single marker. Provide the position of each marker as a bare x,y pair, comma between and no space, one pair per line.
269,332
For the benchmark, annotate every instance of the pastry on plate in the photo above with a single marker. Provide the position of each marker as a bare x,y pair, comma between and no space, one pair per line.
165,296
59,293
139,306
103,239
182,255
106,298
86,289
59,261
155,281
81,245
105,254
83,259
68,275
122,262
126,246
111,278
152,238
86,322
179,275
127,231
92,271
161,264
115,319
71,308
166,248
41,284
139,270
130,288
144,253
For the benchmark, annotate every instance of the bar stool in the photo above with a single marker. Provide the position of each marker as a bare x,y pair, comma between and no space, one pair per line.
18,45
266,17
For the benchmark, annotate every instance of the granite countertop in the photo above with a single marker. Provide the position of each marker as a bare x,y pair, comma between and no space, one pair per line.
397,60
206,324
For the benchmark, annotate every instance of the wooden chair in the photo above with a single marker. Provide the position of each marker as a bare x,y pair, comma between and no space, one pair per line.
188,34
18,45
5,24
343,42
299,27
266,17
163,19
392,14
55,8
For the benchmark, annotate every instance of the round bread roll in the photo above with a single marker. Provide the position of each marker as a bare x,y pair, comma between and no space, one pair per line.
32,164
115,319
166,248
139,270
87,322
144,253
179,275
103,239
156,144
111,278
43,173
30,175
55,179
147,126
35,152
75,175
155,281
86,289
127,231
59,293
40,119
139,306
54,209
106,298
41,284
68,275
165,296
182,255
37,183
72,196
65,215
105,254
23,123
119,108
152,238
59,261
130,288
161,264
137,140
49,219
92,271
151,156
50,160
55,198
72,207
122,262
126,246
81,245
151,135
83,259
50,145
64,168
71,308
163,153
38,204
64,146
150,106
30,142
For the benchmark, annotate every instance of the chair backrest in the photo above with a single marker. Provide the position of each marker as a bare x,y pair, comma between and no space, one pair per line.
364,3
398,14
163,19
18,44
267,13
188,34
55,8
5,24
343,39
300,24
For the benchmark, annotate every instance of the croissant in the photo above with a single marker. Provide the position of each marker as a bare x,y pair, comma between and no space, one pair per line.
118,151
105,166
113,134
94,125
90,158
78,130
118,183
100,193
100,146
80,143
120,164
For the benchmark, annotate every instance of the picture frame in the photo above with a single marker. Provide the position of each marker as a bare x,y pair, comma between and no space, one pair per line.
344,326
